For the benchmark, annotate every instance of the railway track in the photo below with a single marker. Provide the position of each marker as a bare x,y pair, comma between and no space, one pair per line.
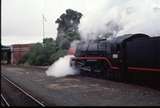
4,101
14,95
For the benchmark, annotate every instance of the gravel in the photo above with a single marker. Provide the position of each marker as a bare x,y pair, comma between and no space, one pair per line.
80,90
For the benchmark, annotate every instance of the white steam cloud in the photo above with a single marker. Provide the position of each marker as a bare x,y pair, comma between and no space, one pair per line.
131,16
61,67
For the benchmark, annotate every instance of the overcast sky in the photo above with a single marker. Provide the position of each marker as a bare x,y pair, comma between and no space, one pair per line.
22,19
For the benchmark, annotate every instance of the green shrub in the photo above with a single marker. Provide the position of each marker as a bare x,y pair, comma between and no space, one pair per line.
40,53
59,53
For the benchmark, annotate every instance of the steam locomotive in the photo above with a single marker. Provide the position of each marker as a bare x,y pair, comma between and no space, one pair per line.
122,58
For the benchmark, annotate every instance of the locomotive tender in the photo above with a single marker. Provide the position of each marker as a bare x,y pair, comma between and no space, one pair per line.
122,58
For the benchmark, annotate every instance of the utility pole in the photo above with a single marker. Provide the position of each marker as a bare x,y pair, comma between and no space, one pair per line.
43,26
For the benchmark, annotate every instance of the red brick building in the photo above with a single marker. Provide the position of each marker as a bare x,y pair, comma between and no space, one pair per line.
18,51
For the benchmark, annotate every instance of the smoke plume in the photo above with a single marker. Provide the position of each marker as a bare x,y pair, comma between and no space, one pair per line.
61,67
117,18
74,44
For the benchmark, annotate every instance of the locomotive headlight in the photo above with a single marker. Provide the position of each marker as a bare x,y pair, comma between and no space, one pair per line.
114,56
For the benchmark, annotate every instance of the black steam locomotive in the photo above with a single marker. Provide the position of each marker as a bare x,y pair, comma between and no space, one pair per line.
122,58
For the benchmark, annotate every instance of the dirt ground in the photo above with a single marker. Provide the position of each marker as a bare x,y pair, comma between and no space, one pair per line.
79,90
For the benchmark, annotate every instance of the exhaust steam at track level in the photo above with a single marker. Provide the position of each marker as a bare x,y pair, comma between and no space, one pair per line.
61,67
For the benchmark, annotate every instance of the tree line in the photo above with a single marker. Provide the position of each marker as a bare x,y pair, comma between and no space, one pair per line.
50,50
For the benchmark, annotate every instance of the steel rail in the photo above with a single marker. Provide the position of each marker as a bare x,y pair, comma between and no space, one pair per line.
5,101
29,95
